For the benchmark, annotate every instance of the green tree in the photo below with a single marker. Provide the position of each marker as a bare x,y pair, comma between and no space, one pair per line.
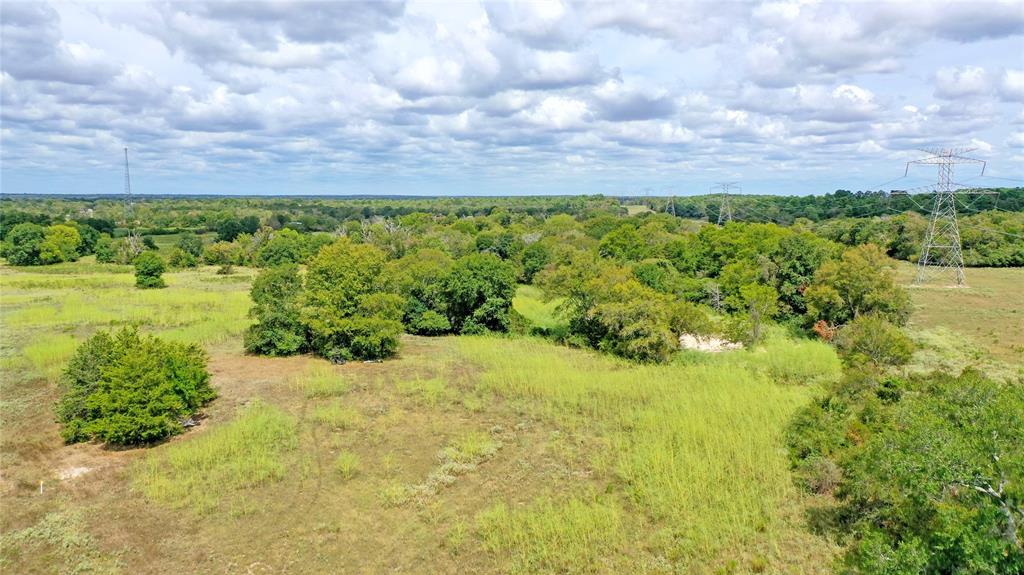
190,243
228,229
88,235
60,244
106,250
338,279
761,302
860,282
624,243
419,277
277,303
22,244
223,254
942,487
285,246
128,389
149,269
479,292
535,256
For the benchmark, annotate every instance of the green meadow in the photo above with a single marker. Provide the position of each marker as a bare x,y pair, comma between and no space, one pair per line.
482,454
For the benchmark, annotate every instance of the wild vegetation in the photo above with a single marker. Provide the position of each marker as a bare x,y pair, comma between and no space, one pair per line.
535,413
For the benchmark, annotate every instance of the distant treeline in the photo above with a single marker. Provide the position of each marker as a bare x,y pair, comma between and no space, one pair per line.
992,226
841,204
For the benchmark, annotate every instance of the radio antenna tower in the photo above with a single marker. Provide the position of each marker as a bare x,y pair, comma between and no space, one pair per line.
942,251
724,208
132,239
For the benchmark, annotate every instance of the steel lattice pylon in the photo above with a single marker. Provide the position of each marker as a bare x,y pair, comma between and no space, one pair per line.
134,244
724,208
942,252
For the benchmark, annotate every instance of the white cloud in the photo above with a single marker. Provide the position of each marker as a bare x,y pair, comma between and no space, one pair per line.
521,89
559,113
955,83
1011,85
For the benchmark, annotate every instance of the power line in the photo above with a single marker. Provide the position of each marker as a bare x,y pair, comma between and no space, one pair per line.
942,249
724,208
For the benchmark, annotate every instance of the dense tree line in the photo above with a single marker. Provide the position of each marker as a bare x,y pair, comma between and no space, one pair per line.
630,286
992,225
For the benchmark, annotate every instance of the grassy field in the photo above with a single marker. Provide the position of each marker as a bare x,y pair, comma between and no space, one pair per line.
463,455
981,325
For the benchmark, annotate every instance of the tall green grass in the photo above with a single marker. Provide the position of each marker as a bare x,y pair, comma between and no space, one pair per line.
41,307
572,536
48,353
529,301
697,448
201,471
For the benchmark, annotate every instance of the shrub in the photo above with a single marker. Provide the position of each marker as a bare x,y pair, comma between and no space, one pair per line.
190,244
371,337
180,258
276,295
429,322
129,389
870,339
149,269
926,471
105,249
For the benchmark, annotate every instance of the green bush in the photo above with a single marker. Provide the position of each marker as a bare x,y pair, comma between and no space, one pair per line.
190,244
105,249
870,339
927,472
149,269
429,322
859,283
180,258
129,389
276,295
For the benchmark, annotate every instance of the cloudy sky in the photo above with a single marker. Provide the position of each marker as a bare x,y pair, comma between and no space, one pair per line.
492,98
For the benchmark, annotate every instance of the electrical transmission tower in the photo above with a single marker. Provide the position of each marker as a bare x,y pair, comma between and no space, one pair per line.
671,208
724,208
942,251
133,244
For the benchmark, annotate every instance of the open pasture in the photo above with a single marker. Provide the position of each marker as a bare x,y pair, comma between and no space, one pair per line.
465,454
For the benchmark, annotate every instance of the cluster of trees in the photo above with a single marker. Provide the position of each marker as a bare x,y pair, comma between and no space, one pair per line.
926,470
29,244
353,301
125,388
631,286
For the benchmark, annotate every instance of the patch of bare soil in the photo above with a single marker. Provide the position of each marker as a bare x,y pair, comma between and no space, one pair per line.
707,343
